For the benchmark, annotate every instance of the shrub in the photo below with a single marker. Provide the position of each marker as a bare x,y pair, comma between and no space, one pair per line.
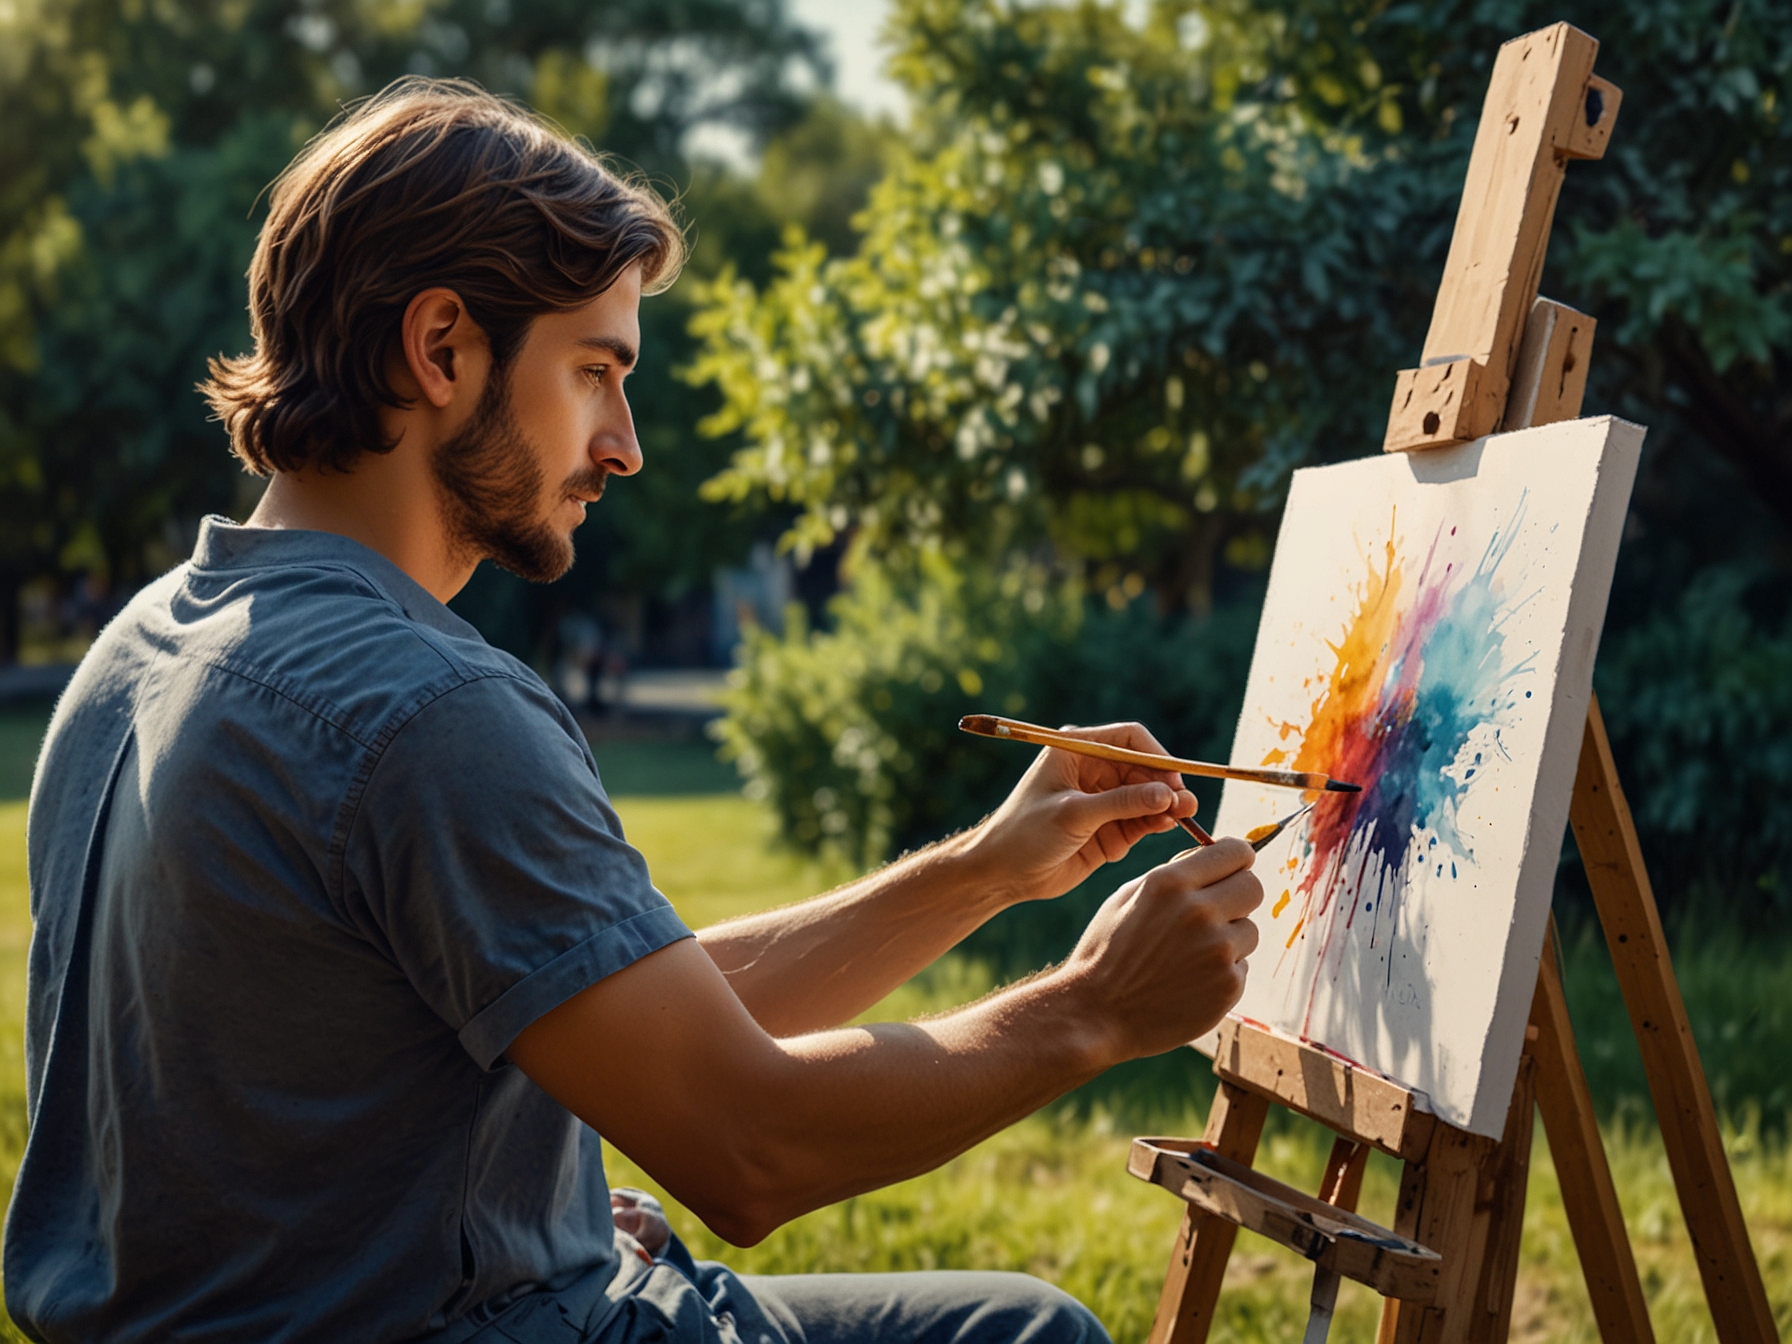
851,734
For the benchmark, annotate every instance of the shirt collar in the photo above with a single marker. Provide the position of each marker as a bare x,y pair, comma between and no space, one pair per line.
225,545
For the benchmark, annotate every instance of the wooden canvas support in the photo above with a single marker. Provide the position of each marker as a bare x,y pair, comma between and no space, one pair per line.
1553,358
1496,357
1351,1101
1544,107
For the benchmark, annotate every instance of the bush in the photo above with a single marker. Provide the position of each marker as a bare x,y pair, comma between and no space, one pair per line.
1698,701
851,734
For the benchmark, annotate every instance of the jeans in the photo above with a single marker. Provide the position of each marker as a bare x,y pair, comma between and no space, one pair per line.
676,1300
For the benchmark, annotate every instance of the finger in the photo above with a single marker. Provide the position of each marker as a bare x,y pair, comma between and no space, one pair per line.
1135,737
1210,863
1091,811
1233,898
1245,934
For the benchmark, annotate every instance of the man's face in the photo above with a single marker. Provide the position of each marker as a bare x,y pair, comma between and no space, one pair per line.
547,434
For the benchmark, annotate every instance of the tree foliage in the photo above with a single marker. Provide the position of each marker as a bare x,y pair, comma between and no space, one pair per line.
139,138
1123,279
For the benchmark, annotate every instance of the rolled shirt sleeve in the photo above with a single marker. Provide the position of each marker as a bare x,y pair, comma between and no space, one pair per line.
486,855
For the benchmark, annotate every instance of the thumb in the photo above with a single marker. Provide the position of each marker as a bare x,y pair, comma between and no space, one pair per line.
1092,811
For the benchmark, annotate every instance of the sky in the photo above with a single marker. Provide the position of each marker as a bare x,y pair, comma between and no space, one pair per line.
851,27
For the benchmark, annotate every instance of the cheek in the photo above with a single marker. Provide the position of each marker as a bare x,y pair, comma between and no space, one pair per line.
560,428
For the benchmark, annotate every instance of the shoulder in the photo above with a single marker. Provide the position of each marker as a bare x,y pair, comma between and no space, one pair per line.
331,638
495,733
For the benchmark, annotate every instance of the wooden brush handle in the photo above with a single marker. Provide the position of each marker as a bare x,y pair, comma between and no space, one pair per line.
991,725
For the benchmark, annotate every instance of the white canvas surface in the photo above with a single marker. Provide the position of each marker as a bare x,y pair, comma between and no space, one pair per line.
1429,633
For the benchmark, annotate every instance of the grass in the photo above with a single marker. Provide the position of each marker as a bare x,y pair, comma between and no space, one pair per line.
1051,1196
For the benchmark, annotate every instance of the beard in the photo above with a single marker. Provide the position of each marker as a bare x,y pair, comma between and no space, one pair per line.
491,488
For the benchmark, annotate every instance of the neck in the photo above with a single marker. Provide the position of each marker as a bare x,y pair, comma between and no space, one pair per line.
387,502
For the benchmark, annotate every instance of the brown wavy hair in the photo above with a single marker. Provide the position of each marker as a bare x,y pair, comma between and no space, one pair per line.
429,182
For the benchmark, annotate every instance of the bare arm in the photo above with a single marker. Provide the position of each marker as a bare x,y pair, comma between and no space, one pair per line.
749,1131
822,962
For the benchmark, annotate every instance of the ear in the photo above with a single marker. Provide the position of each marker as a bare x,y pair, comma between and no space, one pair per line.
444,350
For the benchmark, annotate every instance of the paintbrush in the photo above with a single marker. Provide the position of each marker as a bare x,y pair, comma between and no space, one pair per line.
1259,836
990,725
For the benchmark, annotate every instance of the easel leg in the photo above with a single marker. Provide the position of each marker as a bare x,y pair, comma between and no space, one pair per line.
1614,864
1588,1194
1198,1262
1343,1183
1440,1207
1503,1196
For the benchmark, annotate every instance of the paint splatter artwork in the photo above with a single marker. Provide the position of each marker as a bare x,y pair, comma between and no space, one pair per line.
1428,634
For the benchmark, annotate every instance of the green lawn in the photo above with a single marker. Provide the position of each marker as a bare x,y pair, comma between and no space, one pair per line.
1051,1195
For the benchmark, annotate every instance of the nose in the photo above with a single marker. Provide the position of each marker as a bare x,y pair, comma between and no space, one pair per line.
614,447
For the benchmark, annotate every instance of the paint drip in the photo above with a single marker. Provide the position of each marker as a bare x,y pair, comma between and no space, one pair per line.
1421,687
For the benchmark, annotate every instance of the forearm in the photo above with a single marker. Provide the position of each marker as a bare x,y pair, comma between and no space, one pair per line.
749,1130
841,1112
817,964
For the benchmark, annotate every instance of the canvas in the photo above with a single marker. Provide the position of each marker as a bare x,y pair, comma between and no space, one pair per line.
1429,634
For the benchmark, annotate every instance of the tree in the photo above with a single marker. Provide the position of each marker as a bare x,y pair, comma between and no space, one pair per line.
1104,302
1122,280
139,139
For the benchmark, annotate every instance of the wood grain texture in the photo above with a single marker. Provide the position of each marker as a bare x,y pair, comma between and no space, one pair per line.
1501,1204
1342,1184
1589,1196
1543,107
1204,1243
1438,1205
1331,1237
1437,405
1550,380
1606,834
1357,1103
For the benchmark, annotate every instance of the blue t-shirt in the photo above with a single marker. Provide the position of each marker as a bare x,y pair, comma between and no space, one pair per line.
306,854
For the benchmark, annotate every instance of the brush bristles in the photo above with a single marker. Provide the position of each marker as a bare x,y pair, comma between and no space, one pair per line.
1339,786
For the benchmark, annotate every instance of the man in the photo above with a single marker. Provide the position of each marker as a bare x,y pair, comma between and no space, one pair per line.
342,963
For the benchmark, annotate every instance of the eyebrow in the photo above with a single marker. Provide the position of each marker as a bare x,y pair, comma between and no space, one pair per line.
624,352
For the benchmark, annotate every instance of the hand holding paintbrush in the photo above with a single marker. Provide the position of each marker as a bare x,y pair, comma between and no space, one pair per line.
991,725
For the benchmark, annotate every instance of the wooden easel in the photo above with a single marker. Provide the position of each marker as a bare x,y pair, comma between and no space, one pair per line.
1496,357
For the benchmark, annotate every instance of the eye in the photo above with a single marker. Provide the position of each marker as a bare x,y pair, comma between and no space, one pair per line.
596,373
